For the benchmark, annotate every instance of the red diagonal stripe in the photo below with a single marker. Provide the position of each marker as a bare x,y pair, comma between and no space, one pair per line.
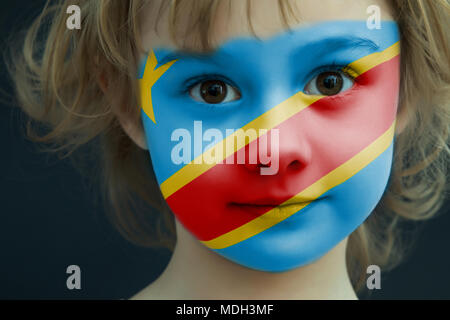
321,138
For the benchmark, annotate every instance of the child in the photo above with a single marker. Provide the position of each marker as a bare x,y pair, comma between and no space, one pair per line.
281,142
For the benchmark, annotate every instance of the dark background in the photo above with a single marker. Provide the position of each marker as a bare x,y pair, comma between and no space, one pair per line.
48,221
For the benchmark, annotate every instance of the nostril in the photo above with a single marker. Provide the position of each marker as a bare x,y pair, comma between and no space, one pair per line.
295,165
262,165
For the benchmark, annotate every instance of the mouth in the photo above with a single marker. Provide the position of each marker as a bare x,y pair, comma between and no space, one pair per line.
270,210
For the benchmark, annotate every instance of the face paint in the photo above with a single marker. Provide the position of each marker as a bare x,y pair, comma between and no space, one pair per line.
334,151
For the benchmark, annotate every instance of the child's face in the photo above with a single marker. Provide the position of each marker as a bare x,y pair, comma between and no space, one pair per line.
318,106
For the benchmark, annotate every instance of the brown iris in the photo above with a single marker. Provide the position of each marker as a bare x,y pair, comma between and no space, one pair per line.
213,91
329,83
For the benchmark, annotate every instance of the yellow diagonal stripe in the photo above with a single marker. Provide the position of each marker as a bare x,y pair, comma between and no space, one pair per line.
372,60
151,75
325,183
267,120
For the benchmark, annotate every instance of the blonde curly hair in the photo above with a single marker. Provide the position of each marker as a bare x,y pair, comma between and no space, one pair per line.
56,80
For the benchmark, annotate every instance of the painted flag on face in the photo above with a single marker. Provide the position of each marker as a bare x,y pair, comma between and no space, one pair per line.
331,150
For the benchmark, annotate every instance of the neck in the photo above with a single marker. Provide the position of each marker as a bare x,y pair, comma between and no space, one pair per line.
196,272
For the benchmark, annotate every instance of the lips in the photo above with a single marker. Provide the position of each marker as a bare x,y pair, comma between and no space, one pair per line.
272,208
274,201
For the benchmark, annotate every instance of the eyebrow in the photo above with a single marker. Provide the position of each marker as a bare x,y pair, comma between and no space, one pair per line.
349,42
175,55
325,44
340,43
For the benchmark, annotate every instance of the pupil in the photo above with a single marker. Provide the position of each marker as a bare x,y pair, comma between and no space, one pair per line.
329,83
213,91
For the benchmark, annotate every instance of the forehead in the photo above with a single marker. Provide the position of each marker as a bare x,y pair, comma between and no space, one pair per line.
331,42
262,18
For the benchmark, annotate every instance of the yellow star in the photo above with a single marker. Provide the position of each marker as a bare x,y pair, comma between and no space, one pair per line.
151,75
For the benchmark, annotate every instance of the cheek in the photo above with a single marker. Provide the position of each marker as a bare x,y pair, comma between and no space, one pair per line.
343,125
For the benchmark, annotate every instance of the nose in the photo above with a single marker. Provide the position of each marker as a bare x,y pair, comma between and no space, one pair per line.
294,151
286,152
288,142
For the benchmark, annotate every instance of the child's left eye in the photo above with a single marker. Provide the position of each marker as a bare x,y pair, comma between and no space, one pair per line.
214,92
329,83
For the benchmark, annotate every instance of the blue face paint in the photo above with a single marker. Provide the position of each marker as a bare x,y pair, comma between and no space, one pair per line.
335,151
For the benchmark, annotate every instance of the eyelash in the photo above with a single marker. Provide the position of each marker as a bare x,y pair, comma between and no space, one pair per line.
192,82
335,67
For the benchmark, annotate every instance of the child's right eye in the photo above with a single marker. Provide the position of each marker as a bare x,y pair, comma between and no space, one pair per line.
214,92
